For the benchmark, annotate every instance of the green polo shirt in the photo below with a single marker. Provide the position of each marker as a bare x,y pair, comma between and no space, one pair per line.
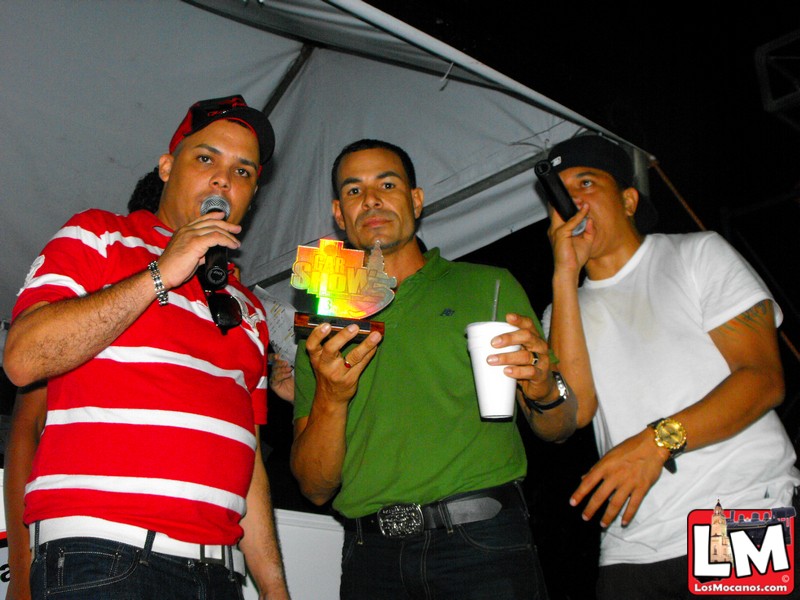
414,433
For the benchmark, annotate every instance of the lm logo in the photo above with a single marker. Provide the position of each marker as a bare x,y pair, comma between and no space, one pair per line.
740,551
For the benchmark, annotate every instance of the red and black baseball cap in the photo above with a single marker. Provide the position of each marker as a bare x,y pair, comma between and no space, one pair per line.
201,114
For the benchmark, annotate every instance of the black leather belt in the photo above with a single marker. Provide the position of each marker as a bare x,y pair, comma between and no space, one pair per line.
402,520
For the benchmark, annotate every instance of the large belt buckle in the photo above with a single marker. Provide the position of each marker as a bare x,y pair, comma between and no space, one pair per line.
400,520
211,560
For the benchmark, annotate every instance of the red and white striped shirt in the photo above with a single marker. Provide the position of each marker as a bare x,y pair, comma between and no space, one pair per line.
157,430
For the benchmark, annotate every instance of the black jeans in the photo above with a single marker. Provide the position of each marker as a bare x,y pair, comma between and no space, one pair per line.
493,559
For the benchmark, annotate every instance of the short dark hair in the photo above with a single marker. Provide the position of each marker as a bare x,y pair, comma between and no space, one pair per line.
370,144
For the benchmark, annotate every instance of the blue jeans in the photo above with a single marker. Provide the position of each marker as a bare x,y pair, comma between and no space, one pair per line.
98,569
493,559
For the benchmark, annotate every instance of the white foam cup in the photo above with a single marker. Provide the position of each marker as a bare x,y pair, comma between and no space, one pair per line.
496,390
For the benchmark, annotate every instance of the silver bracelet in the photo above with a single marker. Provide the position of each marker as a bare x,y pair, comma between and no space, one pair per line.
161,293
563,396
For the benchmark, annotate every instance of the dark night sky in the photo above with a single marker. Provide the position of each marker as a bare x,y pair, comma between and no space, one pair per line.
680,83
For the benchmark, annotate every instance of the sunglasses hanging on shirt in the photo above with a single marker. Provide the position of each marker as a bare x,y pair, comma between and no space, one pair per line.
225,310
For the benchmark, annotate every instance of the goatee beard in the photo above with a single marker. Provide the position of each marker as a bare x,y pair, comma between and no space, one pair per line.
388,247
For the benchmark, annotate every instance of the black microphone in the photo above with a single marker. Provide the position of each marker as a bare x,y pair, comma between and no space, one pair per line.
556,193
214,274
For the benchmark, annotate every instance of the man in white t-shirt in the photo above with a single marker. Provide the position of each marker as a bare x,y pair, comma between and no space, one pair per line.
670,343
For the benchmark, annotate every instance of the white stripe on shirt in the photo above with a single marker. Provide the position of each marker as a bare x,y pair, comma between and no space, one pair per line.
100,243
58,280
152,417
150,486
148,354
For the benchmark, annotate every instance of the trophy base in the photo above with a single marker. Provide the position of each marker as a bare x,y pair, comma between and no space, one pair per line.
304,323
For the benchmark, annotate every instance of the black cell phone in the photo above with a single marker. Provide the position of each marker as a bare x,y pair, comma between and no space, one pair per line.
556,194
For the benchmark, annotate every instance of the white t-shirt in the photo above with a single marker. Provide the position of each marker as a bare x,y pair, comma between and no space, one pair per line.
651,355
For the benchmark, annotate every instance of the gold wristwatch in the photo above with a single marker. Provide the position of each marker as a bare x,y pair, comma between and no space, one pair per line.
671,435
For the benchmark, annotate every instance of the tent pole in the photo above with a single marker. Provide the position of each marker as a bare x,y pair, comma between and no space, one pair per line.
654,164
288,78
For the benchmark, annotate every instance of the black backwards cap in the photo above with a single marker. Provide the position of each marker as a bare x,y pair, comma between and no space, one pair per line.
606,155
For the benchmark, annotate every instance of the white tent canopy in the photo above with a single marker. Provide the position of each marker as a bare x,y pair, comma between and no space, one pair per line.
92,92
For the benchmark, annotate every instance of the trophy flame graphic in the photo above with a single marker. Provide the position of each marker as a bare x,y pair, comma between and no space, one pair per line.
347,290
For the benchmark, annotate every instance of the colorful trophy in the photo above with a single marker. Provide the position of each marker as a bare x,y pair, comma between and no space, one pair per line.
347,290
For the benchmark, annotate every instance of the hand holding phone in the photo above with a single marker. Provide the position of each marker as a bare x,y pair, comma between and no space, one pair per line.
556,194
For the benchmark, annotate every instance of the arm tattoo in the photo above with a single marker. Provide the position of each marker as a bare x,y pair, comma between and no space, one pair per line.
754,318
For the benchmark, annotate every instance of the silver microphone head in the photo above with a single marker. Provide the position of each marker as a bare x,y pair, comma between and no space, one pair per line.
215,203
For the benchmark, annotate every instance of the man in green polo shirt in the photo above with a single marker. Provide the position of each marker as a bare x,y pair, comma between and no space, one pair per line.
389,427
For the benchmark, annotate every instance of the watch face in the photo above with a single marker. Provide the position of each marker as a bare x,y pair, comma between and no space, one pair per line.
562,387
671,434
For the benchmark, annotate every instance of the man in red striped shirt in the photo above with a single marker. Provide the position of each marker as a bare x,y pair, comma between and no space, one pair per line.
150,457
